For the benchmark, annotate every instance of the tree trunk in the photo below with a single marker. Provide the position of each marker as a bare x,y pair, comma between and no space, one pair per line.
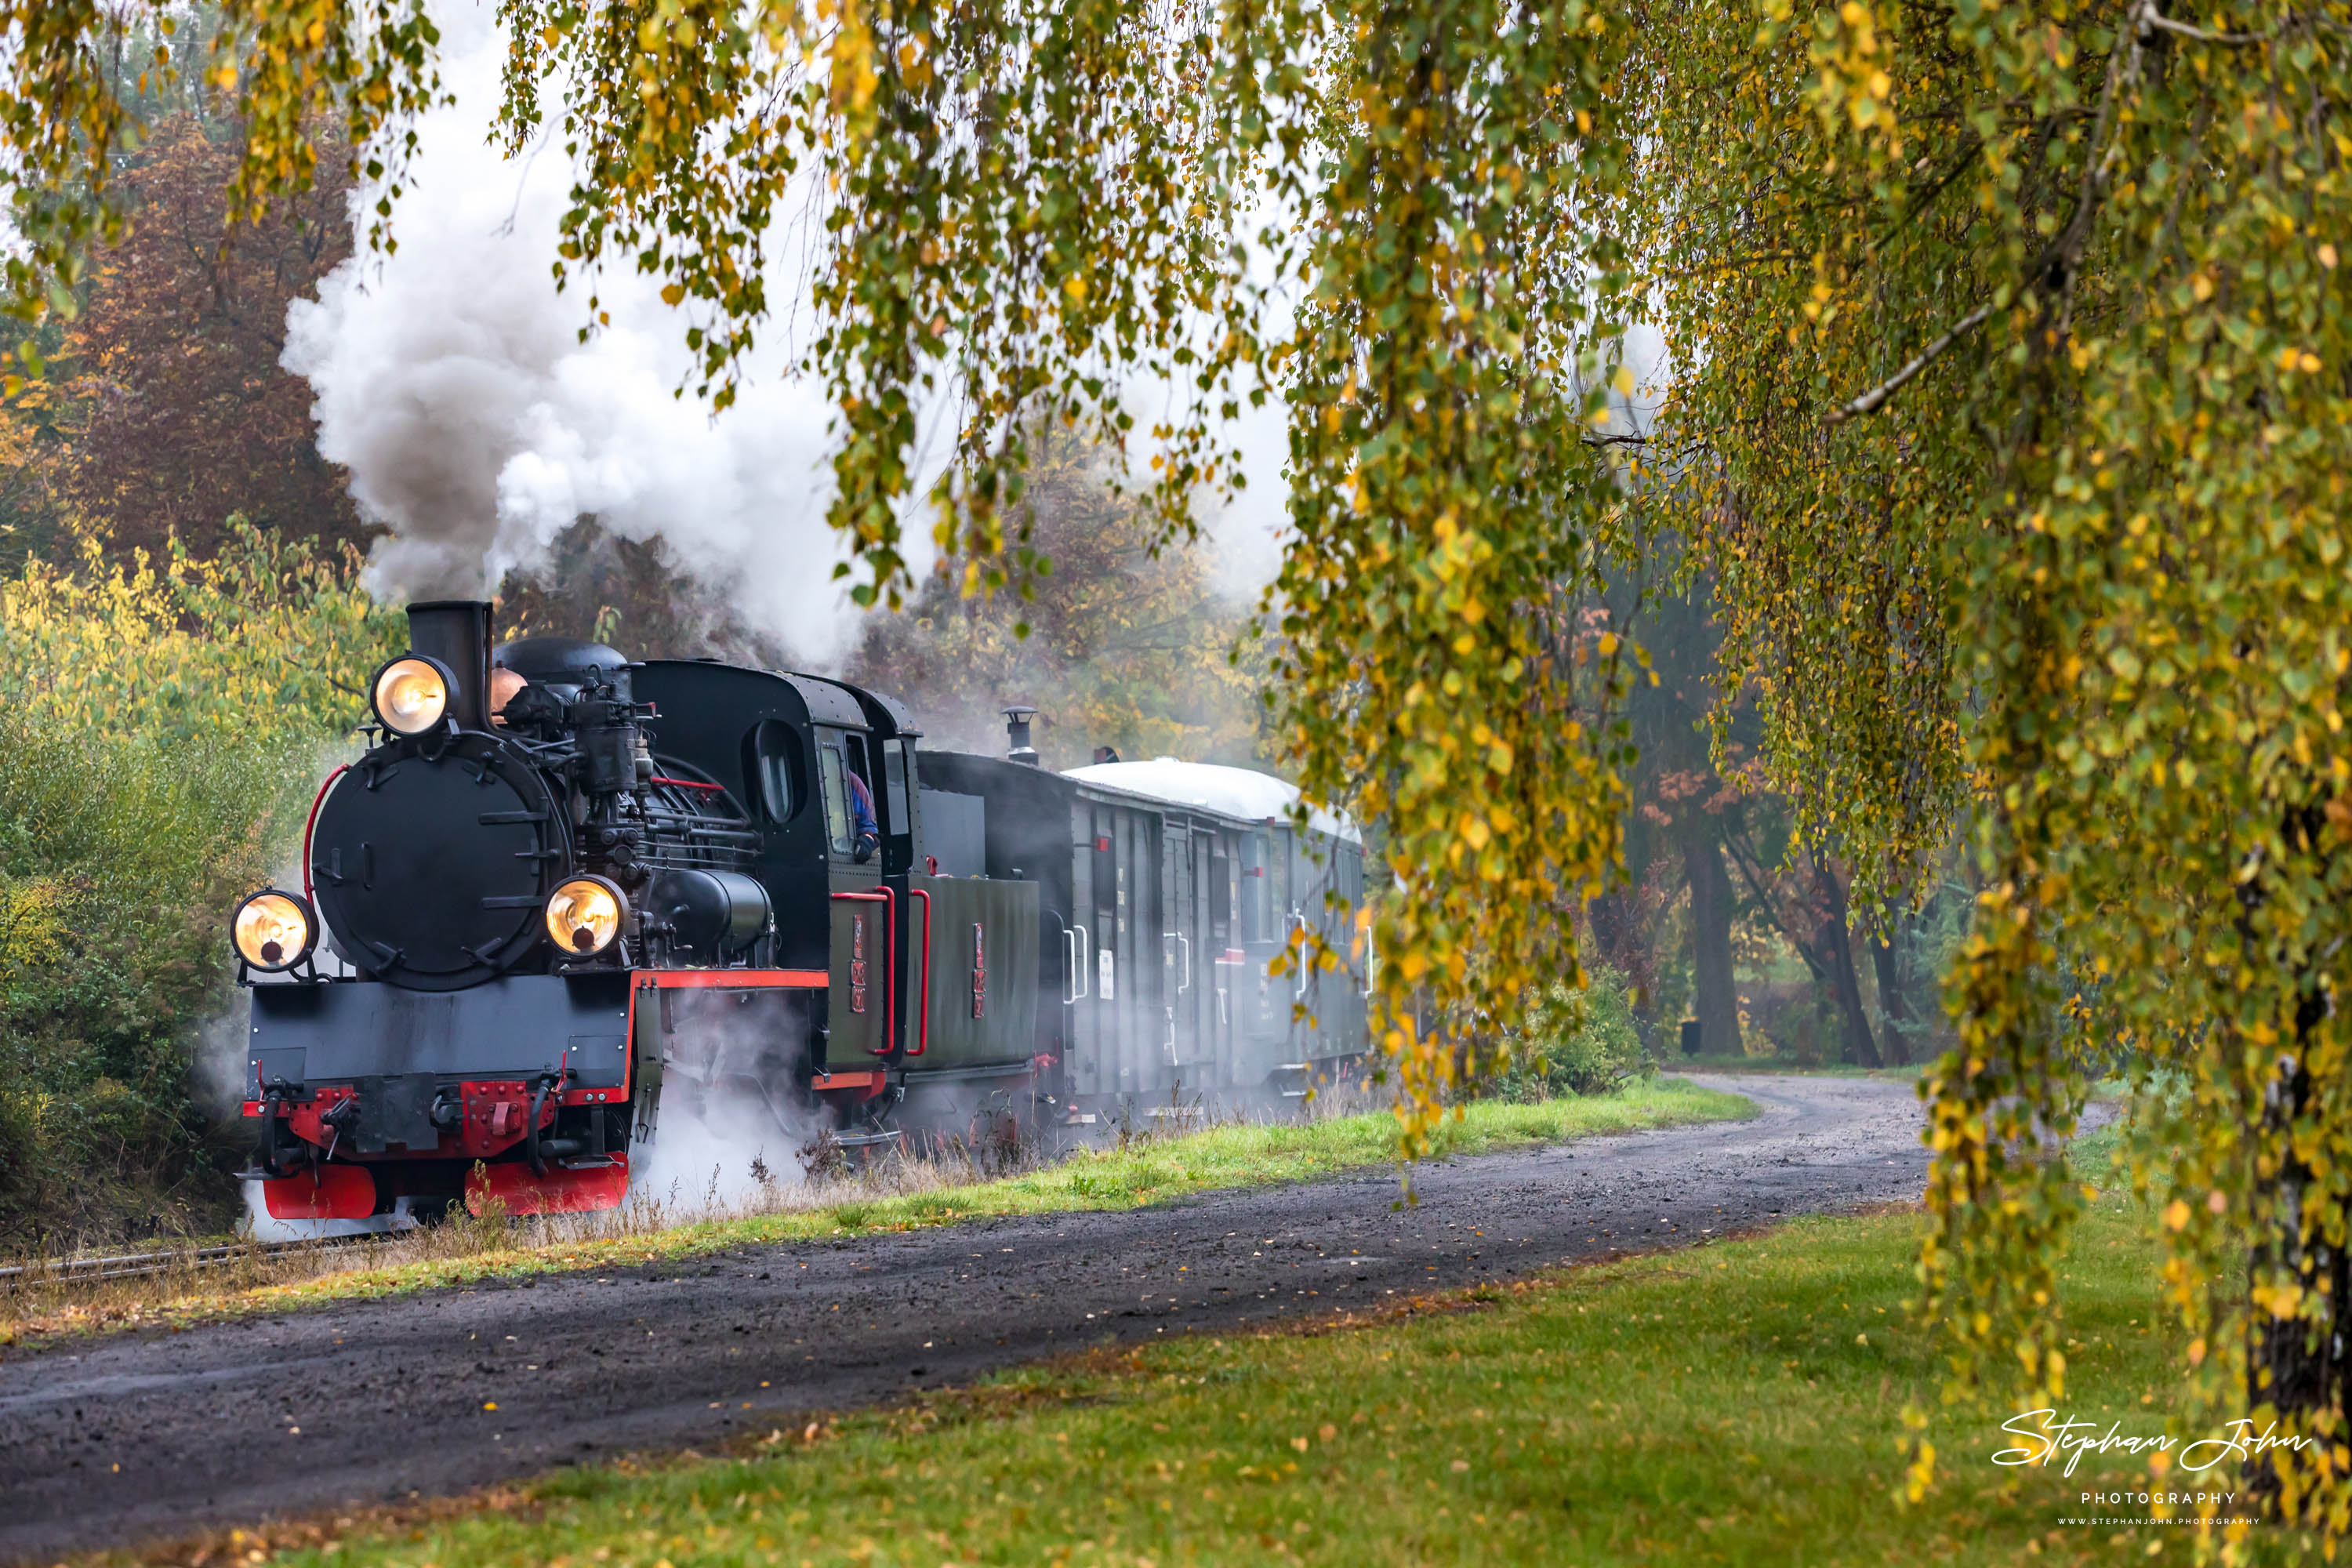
1894,1002
1861,1047
1716,1004
1610,919
2299,1367
1823,944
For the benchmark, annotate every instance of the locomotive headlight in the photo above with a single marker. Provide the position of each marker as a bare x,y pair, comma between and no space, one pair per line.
412,694
274,930
585,914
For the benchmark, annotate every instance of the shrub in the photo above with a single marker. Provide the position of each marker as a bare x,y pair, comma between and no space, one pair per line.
159,734
119,857
268,639
1578,1042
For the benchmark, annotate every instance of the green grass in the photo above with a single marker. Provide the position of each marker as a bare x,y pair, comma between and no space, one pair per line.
1153,1170
1738,1403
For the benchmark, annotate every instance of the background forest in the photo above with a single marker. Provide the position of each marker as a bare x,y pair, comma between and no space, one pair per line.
183,634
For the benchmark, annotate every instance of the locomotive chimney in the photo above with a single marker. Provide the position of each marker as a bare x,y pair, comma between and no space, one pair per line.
457,633
1016,734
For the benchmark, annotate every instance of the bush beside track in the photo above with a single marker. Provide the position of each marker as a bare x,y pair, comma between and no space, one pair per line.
159,729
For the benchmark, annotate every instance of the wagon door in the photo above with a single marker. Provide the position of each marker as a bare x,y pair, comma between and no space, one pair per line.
1179,958
1093,1070
1298,989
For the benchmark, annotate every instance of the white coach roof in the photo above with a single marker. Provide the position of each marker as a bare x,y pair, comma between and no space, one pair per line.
1234,791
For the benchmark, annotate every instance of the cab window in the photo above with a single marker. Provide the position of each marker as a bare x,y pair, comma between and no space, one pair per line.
773,770
854,749
837,797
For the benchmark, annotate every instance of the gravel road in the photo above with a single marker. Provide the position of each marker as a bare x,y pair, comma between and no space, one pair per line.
142,1436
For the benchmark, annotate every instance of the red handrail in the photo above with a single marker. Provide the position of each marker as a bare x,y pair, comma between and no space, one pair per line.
316,802
923,1026
887,897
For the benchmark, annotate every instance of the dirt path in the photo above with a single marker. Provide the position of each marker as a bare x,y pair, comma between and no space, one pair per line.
361,1400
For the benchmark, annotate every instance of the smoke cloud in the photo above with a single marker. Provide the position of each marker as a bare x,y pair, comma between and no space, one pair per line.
718,1154
477,426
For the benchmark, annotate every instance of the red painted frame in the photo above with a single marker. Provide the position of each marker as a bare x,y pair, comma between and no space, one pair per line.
563,1190
771,979
334,1192
866,1084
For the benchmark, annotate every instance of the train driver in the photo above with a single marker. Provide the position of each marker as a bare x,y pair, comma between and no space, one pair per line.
866,836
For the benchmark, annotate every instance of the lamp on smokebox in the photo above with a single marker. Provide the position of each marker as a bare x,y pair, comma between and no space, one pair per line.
411,694
273,930
585,915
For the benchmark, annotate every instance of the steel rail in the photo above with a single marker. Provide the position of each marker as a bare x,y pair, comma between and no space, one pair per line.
80,1271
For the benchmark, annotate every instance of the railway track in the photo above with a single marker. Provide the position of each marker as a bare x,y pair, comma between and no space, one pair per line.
136,1265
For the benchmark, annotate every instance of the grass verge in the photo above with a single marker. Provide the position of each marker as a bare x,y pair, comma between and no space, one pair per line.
1789,1067
1738,1403
1150,1170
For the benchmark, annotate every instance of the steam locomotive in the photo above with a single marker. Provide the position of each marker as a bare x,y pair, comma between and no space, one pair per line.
562,890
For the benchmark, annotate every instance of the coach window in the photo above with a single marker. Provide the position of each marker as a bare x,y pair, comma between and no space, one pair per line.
1257,924
837,797
772,768
1277,877
1221,897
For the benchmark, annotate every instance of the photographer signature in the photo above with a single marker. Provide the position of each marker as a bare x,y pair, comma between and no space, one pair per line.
2047,1437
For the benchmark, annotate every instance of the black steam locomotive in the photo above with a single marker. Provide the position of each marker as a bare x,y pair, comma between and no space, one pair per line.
560,888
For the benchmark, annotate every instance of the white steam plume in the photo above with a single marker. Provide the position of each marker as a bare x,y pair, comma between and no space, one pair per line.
451,381
719,1153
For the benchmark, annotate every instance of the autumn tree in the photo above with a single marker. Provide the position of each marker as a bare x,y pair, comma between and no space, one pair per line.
1116,643
169,410
1803,893
1683,800
2015,424
1711,829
